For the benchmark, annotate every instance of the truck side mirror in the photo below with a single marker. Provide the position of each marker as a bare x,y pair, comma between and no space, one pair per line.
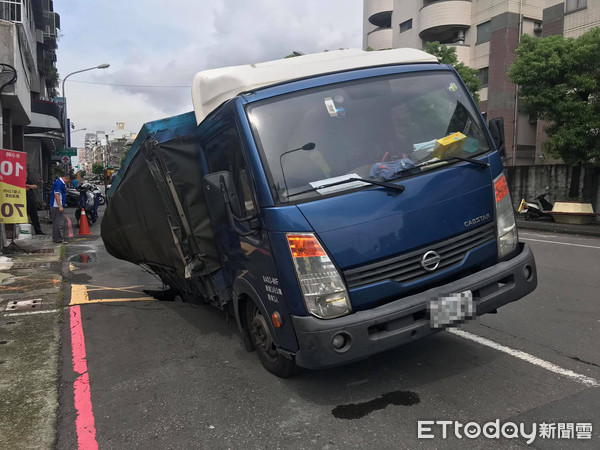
223,183
497,131
222,196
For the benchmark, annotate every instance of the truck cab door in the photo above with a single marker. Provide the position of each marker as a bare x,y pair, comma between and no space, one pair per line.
229,194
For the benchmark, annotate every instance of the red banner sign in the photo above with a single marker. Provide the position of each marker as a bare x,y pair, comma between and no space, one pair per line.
13,176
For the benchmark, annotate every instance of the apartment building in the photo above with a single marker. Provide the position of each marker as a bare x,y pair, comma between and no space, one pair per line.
485,34
31,121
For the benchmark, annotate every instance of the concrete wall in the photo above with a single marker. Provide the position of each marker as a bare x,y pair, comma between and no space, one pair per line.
404,11
530,181
16,97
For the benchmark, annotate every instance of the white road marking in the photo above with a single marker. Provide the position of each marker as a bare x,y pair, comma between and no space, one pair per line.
29,313
561,243
539,235
527,357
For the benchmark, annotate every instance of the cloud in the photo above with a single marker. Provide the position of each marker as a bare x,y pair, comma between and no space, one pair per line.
157,43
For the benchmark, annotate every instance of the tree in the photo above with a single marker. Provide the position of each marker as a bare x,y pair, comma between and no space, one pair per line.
125,153
447,55
559,82
98,169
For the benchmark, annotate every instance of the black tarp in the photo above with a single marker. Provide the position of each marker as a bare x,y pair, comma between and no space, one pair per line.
142,222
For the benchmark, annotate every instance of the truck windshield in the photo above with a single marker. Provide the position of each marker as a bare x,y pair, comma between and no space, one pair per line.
381,128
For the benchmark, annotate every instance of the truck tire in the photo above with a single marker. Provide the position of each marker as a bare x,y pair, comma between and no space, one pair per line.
260,333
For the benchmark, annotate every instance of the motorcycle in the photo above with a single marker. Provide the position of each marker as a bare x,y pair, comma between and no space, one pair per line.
89,200
72,197
539,208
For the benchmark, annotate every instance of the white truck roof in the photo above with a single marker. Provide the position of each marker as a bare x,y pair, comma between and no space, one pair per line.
211,88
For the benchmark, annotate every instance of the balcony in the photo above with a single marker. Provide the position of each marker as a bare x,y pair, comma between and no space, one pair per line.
463,53
379,12
380,38
440,20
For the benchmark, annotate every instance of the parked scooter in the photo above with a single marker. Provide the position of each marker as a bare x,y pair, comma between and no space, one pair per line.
537,209
72,197
89,200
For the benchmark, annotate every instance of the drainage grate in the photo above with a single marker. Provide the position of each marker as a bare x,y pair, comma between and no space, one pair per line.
36,265
41,237
45,250
24,305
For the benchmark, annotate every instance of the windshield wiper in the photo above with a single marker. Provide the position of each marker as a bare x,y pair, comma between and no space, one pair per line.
397,187
455,158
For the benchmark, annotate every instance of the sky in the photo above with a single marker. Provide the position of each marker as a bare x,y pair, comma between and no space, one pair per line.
165,43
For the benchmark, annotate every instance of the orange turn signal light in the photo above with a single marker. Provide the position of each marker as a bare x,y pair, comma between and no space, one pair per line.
276,318
501,188
304,246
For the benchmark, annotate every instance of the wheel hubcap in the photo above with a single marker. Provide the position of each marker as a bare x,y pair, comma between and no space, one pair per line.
262,335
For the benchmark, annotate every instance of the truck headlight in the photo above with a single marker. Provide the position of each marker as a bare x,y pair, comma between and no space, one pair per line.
506,227
323,289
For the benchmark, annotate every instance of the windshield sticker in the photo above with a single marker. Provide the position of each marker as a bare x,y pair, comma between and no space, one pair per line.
452,87
342,187
331,108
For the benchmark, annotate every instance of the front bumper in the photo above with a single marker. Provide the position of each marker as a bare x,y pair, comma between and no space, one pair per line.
404,320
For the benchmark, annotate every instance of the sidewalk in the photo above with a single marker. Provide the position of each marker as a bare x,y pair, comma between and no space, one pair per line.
553,227
30,340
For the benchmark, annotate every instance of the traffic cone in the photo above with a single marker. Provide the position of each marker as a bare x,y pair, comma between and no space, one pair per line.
84,228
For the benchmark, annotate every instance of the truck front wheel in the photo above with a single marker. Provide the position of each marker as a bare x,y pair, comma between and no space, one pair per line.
262,339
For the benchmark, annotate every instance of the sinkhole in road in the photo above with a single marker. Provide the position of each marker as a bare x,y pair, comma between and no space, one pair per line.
84,258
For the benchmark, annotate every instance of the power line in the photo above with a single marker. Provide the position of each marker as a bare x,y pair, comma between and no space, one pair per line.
132,85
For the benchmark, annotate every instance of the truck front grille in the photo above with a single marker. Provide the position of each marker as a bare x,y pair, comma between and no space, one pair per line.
407,266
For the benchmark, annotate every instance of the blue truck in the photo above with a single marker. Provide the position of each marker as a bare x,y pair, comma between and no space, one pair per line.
337,205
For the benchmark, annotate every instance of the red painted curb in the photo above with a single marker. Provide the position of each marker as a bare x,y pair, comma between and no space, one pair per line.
84,424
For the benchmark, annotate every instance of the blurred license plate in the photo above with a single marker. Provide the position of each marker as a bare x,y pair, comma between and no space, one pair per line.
451,309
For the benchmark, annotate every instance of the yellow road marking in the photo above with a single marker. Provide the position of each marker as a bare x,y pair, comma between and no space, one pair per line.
110,300
92,288
79,295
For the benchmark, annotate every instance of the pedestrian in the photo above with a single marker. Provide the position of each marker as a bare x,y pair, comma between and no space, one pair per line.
58,203
32,209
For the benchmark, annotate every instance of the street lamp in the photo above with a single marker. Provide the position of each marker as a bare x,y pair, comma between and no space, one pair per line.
80,129
101,66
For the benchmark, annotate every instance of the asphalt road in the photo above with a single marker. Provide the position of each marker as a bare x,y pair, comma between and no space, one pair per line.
169,375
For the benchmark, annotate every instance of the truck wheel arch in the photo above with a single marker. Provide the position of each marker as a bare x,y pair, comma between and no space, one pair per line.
244,292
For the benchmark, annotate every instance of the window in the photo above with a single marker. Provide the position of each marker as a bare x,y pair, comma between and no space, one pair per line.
483,33
11,10
483,76
405,26
224,152
575,5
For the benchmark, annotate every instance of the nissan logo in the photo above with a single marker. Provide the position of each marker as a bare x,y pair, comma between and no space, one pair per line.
430,261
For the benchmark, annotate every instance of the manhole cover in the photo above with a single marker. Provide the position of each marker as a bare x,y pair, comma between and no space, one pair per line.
24,305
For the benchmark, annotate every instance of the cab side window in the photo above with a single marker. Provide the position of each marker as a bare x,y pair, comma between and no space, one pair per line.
224,152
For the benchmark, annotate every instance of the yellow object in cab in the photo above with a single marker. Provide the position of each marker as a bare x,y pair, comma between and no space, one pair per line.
449,145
